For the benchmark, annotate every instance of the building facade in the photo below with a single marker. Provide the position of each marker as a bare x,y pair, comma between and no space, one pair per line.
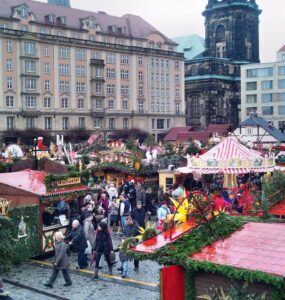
212,79
263,90
64,68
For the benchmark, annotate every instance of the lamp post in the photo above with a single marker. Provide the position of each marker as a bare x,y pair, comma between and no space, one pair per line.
35,151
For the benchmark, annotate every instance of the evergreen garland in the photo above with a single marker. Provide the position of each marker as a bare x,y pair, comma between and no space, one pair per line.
6,245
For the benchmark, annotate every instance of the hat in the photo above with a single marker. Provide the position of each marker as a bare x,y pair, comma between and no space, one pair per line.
139,203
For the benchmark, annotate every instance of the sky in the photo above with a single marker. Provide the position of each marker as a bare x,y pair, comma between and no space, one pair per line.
176,18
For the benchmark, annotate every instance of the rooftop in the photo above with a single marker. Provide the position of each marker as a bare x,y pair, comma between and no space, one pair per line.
257,247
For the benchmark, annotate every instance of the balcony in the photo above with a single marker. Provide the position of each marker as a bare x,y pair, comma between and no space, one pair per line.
98,112
30,112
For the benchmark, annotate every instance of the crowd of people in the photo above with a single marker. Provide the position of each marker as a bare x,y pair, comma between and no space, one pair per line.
113,211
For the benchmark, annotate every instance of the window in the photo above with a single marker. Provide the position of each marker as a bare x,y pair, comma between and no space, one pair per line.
65,123
151,44
140,60
10,122
9,101
31,102
30,84
141,90
251,110
177,94
281,110
125,74
80,71
262,72
23,12
30,48
162,107
4,26
9,46
64,86
125,90
152,62
9,64
281,70
80,54
48,123
251,86
125,123
97,123
47,68
176,66
47,85
267,110
281,84
267,84
160,123
140,75
24,27
9,83
125,104
42,31
111,89
98,87
266,98
124,59
64,52
30,65
153,124
92,37
167,64
82,123
111,123
177,80
152,106
141,107
30,122
162,63
111,103
111,73
157,62
80,103
99,103
282,97
110,58
47,102
158,106
251,99
64,103
195,107
63,69
177,108
46,50
80,87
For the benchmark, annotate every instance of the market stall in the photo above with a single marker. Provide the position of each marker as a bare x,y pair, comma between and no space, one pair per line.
40,207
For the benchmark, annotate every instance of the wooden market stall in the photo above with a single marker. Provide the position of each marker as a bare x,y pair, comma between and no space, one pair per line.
25,191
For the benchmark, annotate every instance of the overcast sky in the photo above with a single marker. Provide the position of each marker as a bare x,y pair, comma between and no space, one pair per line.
182,17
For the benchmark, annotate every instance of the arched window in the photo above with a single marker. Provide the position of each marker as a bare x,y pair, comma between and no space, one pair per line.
220,33
220,41
195,107
151,44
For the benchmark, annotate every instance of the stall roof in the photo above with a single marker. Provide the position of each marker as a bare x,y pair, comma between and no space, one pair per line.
32,182
257,246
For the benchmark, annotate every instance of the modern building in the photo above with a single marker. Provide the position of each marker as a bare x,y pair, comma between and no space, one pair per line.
64,68
263,90
212,78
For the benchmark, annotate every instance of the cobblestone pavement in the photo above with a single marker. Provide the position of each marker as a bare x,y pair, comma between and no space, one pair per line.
26,282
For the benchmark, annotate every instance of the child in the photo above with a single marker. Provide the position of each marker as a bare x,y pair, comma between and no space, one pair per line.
124,259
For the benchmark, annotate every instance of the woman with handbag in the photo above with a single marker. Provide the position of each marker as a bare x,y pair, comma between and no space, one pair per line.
61,261
103,246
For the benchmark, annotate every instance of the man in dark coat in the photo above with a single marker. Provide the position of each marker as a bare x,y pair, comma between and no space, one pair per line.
140,193
138,214
61,261
77,240
132,194
132,230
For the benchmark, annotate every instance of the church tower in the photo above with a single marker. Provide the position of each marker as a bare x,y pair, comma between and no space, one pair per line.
65,3
232,30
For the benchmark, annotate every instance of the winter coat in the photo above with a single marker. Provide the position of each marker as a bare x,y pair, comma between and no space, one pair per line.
89,232
140,195
61,260
103,242
112,191
78,239
104,202
131,230
139,216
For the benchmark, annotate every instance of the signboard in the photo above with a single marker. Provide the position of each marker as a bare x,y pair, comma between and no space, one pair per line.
68,181
4,206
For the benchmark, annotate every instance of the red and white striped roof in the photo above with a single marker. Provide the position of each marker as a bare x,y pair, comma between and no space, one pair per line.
230,148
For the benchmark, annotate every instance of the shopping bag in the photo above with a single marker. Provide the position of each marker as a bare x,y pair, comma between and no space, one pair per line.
88,250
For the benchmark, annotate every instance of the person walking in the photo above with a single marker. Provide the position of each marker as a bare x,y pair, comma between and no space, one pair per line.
61,261
138,214
124,210
77,240
103,246
88,229
140,193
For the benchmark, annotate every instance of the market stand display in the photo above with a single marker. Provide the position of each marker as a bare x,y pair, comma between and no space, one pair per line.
37,211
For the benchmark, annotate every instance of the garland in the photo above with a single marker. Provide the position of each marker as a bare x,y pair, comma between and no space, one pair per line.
222,226
6,244
50,179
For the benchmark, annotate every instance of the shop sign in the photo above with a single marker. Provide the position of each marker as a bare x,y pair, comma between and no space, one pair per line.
68,181
4,206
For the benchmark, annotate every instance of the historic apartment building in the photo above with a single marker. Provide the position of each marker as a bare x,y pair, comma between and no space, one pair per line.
212,78
263,90
64,68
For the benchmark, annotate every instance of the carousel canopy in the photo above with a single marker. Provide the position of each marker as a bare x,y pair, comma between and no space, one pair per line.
229,157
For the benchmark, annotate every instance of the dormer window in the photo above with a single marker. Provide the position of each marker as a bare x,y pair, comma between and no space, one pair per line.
51,18
24,12
62,20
